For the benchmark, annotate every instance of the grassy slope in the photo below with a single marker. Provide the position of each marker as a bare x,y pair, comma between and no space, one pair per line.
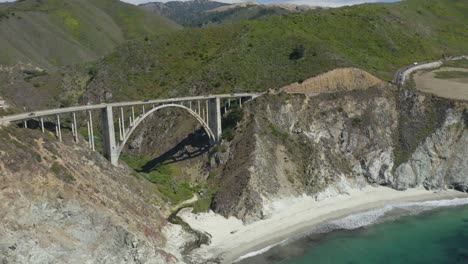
463,63
451,74
272,52
58,32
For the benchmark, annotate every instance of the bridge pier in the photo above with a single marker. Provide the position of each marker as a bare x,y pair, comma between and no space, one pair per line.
91,131
42,125
214,120
107,123
76,127
59,129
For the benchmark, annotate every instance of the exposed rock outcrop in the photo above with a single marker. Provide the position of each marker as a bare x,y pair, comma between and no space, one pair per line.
441,160
295,144
64,204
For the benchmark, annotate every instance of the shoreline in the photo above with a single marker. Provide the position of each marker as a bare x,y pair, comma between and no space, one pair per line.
292,217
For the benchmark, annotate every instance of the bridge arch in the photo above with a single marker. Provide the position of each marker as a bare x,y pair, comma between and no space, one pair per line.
140,119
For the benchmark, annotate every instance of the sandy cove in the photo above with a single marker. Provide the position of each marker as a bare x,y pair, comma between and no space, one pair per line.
290,217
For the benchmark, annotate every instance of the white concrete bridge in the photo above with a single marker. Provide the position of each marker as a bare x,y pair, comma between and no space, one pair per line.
206,110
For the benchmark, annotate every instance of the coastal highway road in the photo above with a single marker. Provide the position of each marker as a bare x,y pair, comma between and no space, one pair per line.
399,76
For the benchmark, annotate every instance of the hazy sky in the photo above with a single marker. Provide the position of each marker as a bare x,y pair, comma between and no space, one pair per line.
308,2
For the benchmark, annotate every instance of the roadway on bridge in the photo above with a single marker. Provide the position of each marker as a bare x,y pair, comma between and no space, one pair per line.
57,111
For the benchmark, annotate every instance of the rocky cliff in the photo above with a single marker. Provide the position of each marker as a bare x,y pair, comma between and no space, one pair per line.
61,203
322,145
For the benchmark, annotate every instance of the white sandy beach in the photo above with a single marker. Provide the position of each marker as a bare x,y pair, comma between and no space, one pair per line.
289,217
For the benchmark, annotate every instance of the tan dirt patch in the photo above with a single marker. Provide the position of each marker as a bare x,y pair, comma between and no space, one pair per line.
448,88
343,79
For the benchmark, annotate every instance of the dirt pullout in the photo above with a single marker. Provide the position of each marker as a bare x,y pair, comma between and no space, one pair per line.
343,79
456,88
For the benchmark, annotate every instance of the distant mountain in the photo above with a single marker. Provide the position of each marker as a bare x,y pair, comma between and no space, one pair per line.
52,33
287,6
183,13
204,12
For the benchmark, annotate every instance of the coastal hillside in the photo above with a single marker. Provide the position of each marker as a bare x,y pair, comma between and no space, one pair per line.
328,136
284,146
62,203
281,147
52,33
277,51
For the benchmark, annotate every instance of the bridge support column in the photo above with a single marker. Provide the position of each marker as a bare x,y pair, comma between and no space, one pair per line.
42,125
108,135
76,127
214,120
59,129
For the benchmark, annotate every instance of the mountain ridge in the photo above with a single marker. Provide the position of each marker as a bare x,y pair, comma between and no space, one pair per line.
199,13
53,33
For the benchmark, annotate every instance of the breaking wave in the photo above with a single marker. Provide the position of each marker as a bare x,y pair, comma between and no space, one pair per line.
362,219
391,211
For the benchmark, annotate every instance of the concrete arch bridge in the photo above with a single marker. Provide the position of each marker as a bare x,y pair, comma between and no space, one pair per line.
119,120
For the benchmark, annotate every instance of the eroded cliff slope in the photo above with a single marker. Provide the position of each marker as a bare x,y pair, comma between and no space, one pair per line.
62,203
323,145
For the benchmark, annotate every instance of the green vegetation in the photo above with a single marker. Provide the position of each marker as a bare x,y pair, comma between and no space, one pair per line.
410,83
77,30
228,134
230,122
356,121
463,63
272,52
451,74
283,136
414,127
203,204
33,74
62,173
4,15
167,182
165,178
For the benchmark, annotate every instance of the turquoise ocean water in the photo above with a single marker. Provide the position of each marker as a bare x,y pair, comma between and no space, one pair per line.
431,232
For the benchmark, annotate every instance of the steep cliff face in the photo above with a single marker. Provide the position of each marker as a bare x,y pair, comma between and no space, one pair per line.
323,145
440,162
61,203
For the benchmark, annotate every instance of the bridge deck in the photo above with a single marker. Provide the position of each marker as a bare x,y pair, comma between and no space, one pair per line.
57,111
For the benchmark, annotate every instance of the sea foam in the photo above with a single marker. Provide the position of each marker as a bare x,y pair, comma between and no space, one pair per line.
366,218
